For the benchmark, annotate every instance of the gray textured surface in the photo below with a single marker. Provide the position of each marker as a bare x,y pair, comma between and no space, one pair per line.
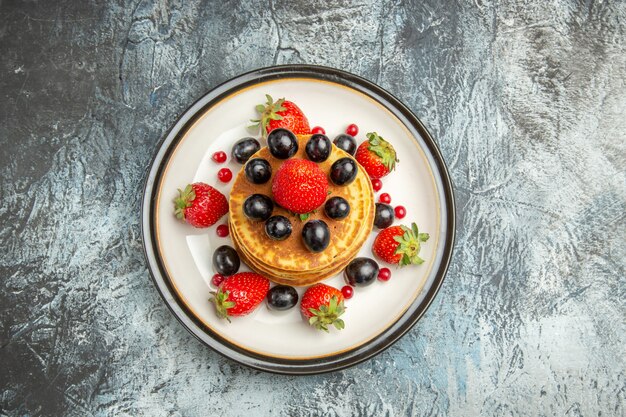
527,102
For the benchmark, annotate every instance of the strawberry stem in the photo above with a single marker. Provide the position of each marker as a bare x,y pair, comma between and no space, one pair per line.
184,200
268,112
328,315
383,149
409,245
222,305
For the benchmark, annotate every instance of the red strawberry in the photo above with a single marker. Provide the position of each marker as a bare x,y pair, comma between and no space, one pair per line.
239,294
282,113
200,205
399,245
300,186
322,305
377,156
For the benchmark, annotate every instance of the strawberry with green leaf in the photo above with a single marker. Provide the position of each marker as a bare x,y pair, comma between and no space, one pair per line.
240,294
376,156
322,305
400,245
281,113
200,205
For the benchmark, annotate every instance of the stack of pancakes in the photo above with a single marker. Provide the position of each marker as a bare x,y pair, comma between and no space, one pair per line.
289,261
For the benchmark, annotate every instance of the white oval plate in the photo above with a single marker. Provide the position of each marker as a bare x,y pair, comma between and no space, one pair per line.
179,255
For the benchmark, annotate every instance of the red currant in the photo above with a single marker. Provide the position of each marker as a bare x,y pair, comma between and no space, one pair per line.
352,130
318,129
347,292
219,157
377,184
222,230
217,279
400,212
224,174
384,274
385,198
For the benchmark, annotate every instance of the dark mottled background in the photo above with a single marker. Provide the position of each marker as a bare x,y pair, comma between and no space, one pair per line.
527,101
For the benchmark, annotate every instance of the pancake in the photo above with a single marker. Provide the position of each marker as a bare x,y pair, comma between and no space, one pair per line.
347,255
292,278
300,281
302,276
289,261
297,277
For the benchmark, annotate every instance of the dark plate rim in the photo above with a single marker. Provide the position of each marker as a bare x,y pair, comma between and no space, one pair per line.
212,339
